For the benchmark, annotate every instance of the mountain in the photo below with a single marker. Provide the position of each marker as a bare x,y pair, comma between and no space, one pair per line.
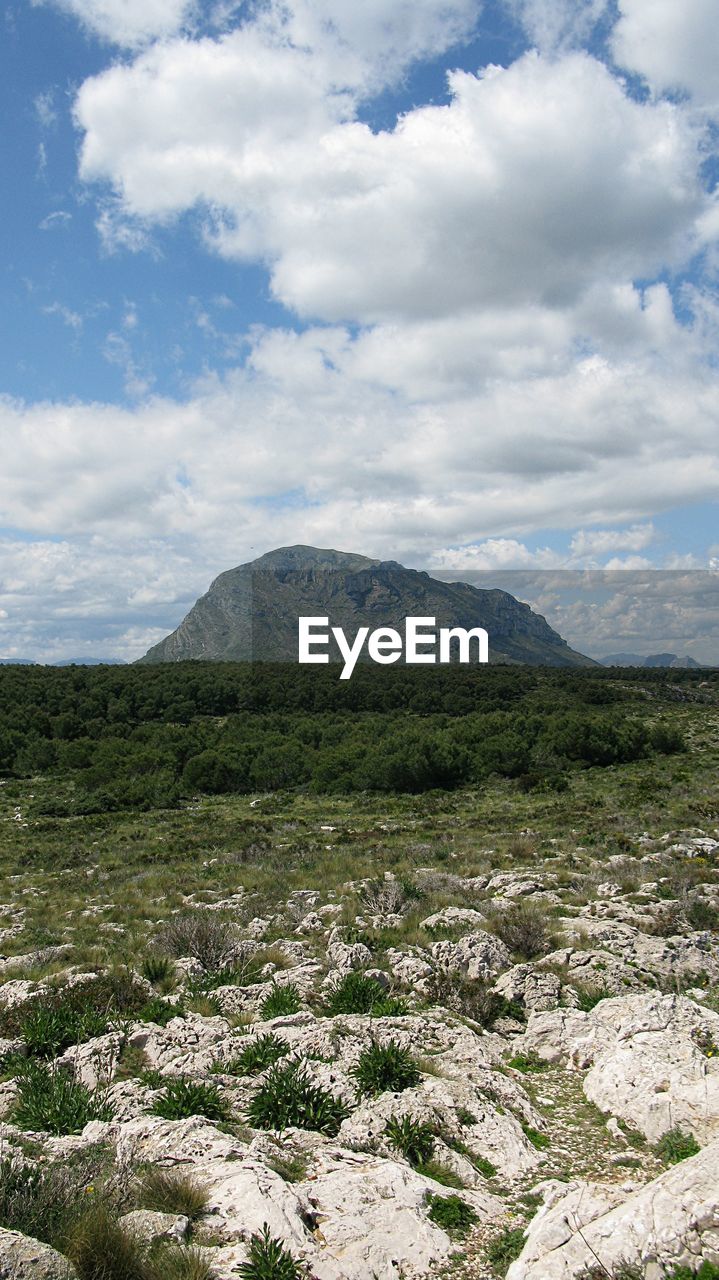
653,660
252,611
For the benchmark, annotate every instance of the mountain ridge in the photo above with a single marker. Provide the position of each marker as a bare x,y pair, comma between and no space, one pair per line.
250,612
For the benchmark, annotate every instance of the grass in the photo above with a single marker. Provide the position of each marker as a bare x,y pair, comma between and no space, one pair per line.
524,929
412,1138
172,1191
385,1068
288,1097
528,1063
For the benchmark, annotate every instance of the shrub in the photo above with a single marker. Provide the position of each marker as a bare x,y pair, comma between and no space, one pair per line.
182,1098
170,1191
268,1260
54,1102
528,1062
50,1029
676,1145
701,914
523,928
452,1214
504,1248
207,936
471,998
356,993
412,1138
280,1002
388,897
258,1055
287,1097
386,1068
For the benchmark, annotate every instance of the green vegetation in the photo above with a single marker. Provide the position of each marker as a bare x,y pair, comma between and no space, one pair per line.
172,1191
386,1068
528,1063
144,738
269,1260
676,1145
51,1101
183,1097
452,1214
280,1002
288,1097
504,1248
356,993
413,1138
257,1056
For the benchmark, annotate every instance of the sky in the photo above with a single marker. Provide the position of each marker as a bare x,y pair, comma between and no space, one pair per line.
430,280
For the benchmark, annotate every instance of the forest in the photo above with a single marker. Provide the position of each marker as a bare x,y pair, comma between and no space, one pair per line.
148,737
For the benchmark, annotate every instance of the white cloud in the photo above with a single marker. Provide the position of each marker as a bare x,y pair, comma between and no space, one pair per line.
532,184
673,45
71,318
597,542
130,23
554,25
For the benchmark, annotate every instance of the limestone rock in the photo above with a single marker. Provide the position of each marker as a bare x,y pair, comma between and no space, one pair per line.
671,1222
22,1258
530,987
148,1225
478,955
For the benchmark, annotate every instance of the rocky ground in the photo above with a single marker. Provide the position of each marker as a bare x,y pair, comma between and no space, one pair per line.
525,1082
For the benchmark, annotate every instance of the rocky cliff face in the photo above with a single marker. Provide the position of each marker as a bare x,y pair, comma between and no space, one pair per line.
251,612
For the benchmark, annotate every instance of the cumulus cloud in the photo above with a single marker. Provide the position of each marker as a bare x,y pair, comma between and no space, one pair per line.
672,45
533,183
130,23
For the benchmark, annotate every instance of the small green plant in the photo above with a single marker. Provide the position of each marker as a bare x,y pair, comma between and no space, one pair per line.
384,1068
288,1097
414,1139
357,993
291,1166
528,1063
49,1029
588,997
280,1002
183,1097
466,1117
537,1139
159,1011
157,968
676,1145
452,1214
171,1191
268,1260
472,999
258,1055
52,1101
504,1248
41,1202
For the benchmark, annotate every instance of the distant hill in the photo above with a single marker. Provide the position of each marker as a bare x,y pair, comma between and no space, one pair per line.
251,612
654,660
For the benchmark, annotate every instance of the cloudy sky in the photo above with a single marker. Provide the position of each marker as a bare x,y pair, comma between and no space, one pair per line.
433,280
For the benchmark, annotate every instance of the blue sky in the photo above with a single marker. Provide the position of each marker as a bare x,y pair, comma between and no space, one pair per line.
435,283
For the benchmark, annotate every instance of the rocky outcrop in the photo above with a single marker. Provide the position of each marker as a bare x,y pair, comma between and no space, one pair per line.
671,1222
